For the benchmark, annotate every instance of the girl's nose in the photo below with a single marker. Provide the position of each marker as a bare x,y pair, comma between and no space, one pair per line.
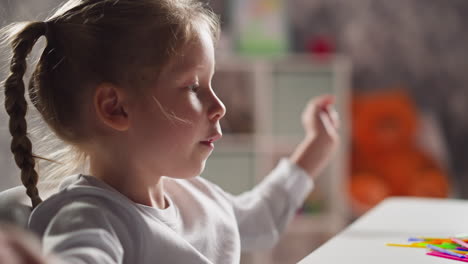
217,109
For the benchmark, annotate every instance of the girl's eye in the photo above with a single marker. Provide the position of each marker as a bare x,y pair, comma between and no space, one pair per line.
194,87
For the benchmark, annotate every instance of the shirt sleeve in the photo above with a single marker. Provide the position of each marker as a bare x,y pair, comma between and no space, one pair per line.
264,212
83,233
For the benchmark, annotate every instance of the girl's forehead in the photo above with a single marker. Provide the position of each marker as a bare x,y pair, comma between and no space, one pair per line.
196,55
185,62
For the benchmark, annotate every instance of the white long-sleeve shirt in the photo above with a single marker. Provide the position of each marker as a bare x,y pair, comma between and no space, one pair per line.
88,221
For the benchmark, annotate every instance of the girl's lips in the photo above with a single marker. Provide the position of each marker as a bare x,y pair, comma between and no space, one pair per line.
214,138
208,144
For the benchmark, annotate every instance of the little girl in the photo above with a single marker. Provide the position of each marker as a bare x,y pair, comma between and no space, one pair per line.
128,83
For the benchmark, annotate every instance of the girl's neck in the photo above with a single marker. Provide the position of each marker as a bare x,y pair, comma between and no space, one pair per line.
129,181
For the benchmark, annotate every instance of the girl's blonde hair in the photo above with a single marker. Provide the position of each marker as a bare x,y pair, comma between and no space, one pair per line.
124,42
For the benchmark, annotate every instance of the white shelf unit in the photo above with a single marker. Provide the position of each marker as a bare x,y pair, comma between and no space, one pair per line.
264,100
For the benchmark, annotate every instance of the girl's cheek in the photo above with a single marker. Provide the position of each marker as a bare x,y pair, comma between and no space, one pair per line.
196,104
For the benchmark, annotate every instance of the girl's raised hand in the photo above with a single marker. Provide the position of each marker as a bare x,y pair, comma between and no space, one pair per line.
320,119
321,124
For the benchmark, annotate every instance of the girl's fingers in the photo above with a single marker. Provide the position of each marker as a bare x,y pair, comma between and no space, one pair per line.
334,116
327,125
320,116
325,100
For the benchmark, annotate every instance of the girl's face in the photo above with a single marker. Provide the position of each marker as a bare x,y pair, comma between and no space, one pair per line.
173,127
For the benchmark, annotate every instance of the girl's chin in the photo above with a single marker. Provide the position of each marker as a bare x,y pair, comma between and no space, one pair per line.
201,167
192,172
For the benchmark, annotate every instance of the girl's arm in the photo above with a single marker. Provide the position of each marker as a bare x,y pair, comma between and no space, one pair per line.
264,212
320,122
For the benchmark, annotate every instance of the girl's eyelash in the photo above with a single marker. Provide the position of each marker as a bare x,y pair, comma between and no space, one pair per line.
194,87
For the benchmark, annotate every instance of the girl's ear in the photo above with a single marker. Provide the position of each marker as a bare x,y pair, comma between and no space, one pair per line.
110,104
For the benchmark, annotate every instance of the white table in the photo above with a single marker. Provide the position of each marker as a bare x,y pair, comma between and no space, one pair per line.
394,221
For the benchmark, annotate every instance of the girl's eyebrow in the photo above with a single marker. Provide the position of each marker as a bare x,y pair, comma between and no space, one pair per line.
189,69
183,75
188,66
193,64
197,66
185,68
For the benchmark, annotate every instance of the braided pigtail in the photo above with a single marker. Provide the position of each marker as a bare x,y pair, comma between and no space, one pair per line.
16,107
